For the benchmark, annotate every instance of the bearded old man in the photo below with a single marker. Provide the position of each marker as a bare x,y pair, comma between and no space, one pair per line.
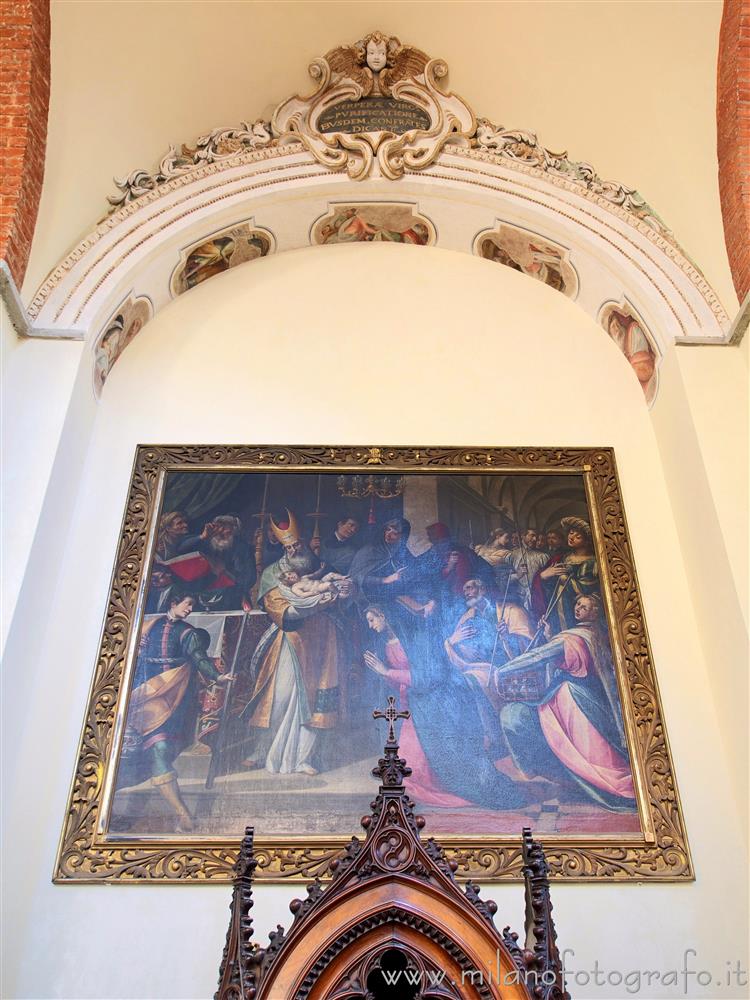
296,691
228,567
488,633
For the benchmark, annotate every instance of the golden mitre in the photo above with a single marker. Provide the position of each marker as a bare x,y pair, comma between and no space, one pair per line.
286,535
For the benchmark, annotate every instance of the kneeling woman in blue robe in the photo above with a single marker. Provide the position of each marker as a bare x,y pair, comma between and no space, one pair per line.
443,741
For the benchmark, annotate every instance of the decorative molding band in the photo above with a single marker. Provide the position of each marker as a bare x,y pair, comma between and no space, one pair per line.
205,178
668,246
736,335
19,317
181,180
522,146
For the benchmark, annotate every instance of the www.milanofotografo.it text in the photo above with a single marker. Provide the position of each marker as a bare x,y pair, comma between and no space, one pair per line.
683,978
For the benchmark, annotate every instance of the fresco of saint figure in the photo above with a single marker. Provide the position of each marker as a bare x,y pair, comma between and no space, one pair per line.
374,224
630,334
119,332
531,255
228,249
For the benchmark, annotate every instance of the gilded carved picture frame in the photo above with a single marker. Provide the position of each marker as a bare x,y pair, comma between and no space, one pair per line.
97,845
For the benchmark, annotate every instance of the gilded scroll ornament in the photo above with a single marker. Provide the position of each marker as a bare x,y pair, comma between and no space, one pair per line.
219,144
378,109
521,145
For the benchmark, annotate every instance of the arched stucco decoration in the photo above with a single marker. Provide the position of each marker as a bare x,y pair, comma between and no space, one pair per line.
379,115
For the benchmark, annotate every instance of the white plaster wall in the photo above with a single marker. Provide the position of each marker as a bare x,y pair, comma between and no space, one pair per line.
699,423
37,381
372,344
716,383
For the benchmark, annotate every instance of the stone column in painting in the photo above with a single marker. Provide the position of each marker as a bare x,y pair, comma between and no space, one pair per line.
420,498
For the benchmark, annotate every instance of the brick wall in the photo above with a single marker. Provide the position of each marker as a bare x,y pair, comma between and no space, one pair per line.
24,102
733,123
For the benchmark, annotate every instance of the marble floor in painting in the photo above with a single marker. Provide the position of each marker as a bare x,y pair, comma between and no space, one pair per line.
332,802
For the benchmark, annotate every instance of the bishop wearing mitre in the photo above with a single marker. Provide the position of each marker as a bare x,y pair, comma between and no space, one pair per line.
295,665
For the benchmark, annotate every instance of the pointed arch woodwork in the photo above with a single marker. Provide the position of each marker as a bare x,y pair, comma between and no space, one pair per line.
394,908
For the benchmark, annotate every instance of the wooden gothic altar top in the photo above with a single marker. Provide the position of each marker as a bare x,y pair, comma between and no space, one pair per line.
393,922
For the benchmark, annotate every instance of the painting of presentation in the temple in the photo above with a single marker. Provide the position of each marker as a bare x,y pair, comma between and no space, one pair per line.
273,606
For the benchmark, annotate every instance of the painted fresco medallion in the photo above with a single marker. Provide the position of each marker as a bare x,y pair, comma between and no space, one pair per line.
121,330
218,253
375,222
531,254
626,328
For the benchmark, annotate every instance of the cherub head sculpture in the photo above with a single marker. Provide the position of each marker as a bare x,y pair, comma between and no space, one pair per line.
376,51
377,62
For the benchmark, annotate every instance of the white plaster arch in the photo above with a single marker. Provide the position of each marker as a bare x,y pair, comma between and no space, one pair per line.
617,247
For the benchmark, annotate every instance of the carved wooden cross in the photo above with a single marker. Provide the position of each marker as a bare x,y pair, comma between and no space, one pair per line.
391,714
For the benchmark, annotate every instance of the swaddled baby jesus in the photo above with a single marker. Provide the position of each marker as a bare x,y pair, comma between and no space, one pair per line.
307,591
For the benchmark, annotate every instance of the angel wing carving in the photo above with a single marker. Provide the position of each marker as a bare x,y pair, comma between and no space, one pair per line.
406,63
355,119
348,61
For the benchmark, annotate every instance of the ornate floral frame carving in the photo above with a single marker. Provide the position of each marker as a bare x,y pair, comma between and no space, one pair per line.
660,853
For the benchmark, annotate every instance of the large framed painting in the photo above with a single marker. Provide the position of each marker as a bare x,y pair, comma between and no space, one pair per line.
266,599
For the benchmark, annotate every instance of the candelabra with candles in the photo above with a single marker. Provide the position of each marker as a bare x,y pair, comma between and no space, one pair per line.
361,487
